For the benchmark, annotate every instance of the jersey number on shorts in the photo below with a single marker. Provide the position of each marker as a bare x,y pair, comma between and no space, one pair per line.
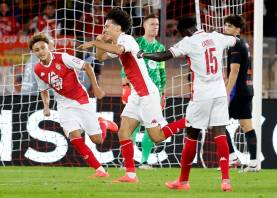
211,61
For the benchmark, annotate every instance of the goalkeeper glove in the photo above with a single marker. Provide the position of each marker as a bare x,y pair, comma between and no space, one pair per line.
126,91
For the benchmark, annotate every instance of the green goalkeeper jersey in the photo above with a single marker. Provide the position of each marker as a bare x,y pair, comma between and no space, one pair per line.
156,70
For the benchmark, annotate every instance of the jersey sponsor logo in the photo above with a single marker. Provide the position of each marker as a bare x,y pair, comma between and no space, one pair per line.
55,81
152,64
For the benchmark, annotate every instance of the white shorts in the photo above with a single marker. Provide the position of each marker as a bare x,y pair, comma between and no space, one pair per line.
80,117
147,110
207,113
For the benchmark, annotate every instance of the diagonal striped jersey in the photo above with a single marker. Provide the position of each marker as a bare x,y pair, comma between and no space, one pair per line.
204,52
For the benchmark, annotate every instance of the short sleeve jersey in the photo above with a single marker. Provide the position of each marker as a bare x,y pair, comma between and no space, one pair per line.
135,69
204,52
60,75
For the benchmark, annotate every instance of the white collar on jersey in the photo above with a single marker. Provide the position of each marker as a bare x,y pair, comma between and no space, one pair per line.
51,59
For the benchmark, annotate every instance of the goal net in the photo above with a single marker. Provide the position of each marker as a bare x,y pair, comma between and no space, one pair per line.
29,138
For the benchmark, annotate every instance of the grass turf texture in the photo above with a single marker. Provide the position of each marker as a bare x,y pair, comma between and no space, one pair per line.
33,182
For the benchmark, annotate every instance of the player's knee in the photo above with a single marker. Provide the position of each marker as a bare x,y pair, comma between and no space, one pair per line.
74,134
123,134
246,128
246,125
97,139
156,134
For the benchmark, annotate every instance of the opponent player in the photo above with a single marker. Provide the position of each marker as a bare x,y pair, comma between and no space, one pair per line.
208,106
144,102
58,71
240,90
157,73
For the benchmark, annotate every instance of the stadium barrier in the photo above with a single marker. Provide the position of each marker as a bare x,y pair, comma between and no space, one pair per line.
29,138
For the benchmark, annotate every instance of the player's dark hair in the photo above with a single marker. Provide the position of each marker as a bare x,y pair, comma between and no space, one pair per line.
235,20
150,16
120,17
36,38
185,24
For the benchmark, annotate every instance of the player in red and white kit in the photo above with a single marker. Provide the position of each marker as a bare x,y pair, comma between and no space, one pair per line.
208,106
144,102
58,71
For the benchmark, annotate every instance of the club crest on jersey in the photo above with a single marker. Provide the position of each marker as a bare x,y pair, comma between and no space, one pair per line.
42,74
58,66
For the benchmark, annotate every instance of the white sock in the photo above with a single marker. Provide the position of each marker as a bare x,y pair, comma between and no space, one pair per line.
100,168
131,174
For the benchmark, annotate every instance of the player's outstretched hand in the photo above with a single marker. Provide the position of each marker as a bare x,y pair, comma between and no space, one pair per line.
98,93
140,54
46,112
86,45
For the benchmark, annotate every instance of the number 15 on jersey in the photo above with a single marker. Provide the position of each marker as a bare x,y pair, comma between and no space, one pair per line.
211,61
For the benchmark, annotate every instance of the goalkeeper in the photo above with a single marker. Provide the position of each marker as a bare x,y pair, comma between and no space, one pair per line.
157,73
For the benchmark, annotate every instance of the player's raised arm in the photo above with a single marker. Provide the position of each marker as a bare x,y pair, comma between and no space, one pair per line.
103,44
106,47
100,54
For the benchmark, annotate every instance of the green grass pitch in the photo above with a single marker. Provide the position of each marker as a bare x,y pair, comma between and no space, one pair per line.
34,182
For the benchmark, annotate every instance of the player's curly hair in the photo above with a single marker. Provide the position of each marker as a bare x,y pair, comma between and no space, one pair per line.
120,17
235,20
36,38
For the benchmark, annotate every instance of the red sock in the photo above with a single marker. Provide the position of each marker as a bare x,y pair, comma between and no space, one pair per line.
174,127
86,153
188,155
127,149
223,155
103,127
